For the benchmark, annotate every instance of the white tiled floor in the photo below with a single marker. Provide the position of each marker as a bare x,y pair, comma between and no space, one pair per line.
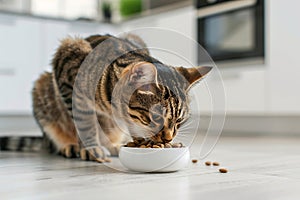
259,168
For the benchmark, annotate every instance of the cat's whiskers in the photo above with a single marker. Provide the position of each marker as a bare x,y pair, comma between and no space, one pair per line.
182,134
186,126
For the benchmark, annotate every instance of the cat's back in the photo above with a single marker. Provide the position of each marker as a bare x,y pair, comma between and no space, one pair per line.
95,40
130,40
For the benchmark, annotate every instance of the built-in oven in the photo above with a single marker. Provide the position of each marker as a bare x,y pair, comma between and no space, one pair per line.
232,31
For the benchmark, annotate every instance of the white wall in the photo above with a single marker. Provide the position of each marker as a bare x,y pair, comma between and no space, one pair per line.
283,73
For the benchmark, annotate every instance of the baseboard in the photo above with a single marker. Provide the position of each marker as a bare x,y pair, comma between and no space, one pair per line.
255,125
15,125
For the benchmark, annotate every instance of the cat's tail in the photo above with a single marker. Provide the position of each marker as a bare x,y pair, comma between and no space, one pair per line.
21,143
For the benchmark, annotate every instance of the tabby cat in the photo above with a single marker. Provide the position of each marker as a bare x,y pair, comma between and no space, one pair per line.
155,109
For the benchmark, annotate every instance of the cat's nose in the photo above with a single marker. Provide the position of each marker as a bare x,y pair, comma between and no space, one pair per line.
167,136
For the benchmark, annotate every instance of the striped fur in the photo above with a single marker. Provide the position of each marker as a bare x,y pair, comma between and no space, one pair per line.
21,143
155,109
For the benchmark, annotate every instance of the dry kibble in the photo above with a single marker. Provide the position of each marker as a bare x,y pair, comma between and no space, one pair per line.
194,161
223,170
177,145
143,143
208,163
130,144
216,164
148,145
138,141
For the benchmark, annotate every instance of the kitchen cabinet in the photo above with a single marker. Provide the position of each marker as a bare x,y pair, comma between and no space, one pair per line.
245,90
283,73
244,93
179,26
28,45
20,41
54,31
266,89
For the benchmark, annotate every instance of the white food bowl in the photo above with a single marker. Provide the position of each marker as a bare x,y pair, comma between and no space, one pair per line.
154,159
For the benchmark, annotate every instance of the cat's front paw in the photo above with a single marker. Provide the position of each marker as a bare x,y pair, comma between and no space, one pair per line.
70,151
94,154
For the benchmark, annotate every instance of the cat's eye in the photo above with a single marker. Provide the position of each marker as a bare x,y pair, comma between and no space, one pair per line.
141,119
157,118
179,120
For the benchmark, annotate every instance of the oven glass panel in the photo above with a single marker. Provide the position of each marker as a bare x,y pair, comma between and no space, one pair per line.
233,35
233,32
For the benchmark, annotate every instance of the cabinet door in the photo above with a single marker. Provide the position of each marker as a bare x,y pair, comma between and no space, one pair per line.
283,73
19,64
54,31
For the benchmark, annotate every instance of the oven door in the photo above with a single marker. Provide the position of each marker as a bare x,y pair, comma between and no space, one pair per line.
233,34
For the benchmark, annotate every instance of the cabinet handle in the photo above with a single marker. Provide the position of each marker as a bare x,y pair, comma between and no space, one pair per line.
224,7
7,72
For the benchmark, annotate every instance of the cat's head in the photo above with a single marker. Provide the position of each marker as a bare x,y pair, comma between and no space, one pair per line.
158,104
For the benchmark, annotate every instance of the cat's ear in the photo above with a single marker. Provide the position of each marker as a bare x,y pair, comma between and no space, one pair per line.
142,73
143,76
194,74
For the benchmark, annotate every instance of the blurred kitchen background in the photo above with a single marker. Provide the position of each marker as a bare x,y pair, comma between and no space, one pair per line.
255,44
